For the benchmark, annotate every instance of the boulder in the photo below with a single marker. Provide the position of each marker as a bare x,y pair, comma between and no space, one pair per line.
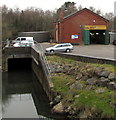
91,81
100,90
72,86
58,108
58,70
112,85
55,68
79,76
89,87
52,68
97,71
105,73
112,76
103,81
85,114
76,96
85,73
71,71
55,101
65,69
84,78
68,109
76,85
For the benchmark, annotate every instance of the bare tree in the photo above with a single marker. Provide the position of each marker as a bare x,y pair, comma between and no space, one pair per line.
80,7
92,8
98,12
67,8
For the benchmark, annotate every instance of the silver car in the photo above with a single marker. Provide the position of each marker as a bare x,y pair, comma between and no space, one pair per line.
64,47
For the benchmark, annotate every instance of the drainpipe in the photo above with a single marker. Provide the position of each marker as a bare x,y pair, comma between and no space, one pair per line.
60,25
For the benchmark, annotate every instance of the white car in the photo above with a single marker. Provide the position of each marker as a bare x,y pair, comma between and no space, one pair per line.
23,42
23,45
64,47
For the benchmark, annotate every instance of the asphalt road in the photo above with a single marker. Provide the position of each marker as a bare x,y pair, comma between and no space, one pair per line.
100,51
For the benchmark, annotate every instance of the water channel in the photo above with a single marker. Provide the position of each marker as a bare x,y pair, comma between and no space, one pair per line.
23,95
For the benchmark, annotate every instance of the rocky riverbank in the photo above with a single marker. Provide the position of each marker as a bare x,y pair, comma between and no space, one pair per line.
82,90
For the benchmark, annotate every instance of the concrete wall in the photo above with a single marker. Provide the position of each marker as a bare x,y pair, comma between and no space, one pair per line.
37,66
11,52
39,71
112,37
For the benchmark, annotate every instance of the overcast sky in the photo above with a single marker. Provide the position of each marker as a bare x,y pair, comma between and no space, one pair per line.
103,5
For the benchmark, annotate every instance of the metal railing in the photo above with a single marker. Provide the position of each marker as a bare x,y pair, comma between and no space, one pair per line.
38,47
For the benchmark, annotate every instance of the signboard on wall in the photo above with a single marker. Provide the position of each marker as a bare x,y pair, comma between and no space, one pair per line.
74,36
95,27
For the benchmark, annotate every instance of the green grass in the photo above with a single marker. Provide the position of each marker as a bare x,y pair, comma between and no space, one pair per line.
98,101
108,67
88,99
60,82
62,60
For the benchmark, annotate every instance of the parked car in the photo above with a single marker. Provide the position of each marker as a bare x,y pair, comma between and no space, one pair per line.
23,41
64,47
22,45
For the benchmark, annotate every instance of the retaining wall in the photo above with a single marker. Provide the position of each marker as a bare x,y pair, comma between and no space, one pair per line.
87,59
39,71
37,66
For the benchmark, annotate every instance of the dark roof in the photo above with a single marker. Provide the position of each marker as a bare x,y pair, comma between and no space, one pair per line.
68,16
36,32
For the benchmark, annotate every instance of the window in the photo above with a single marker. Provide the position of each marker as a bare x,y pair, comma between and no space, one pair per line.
58,46
18,39
23,39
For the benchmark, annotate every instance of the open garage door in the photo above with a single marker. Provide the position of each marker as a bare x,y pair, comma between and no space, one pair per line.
95,34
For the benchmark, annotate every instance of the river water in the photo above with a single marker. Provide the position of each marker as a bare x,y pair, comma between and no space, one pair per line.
23,96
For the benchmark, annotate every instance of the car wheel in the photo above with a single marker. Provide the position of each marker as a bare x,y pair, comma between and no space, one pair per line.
67,50
52,51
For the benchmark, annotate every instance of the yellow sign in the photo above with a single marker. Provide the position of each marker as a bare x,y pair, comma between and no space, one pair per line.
95,27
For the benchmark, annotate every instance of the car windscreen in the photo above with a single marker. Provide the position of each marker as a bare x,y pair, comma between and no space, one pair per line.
56,46
18,39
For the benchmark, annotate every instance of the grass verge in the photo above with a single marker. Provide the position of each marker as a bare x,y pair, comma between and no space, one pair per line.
101,102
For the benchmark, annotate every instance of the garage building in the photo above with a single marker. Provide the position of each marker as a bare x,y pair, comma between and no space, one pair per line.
82,27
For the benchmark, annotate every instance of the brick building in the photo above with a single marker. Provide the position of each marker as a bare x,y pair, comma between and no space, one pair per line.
82,27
